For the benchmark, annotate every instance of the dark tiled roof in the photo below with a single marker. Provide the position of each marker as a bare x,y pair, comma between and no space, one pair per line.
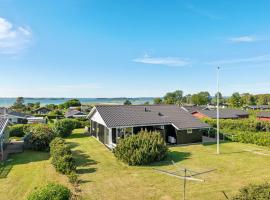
141,115
3,122
224,113
263,114
14,113
71,112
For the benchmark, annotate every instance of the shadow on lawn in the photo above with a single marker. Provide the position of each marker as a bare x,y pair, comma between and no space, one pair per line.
25,157
78,135
175,156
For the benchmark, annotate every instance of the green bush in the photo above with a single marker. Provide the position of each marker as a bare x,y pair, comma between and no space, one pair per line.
141,149
51,191
40,137
64,127
62,156
254,192
19,130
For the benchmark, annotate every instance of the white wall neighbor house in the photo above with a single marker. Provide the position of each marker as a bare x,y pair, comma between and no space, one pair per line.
13,116
111,122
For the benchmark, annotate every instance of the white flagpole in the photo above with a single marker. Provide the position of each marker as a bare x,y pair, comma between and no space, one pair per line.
218,151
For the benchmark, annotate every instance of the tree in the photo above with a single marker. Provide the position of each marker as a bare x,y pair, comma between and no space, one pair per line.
248,99
235,100
202,98
146,103
173,97
263,99
127,102
253,192
71,103
214,100
19,103
157,100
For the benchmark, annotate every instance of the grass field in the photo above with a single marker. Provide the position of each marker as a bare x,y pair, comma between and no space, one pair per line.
103,177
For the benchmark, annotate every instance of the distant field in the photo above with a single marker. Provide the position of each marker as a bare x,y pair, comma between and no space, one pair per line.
103,177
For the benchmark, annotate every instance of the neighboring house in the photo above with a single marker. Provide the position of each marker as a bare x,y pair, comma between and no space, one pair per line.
111,122
42,111
263,116
13,116
257,107
72,113
223,114
36,120
193,108
4,135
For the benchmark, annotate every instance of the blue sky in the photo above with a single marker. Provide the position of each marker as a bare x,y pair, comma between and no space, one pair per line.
136,48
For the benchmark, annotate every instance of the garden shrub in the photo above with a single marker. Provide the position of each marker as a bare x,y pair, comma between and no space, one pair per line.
40,137
141,149
64,127
62,156
51,191
19,130
253,192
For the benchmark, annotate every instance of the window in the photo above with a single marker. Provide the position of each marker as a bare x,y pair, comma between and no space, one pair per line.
189,131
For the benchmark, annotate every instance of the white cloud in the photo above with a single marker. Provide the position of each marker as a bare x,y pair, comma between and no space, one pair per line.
13,39
169,61
256,59
243,39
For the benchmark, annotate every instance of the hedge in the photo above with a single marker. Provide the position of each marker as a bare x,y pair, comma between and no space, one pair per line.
19,130
61,156
141,149
40,137
51,191
253,192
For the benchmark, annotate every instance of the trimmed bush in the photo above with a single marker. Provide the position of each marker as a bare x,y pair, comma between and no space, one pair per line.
64,127
51,191
62,156
18,130
253,192
143,148
40,137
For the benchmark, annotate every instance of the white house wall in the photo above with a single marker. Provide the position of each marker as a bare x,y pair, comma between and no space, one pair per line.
97,118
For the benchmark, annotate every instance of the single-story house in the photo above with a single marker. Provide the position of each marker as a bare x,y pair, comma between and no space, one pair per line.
263,116
14,116
72,113
4,135
257,107
109,123
192,108
223,114
42,111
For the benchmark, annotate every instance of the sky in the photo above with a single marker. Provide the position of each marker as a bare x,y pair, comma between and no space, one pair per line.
123,48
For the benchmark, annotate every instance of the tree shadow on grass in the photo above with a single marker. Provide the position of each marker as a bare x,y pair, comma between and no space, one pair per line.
25,157
78,135
175,156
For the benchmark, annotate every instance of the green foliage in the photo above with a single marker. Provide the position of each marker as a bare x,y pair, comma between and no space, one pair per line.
73,178
173,97
202,98
40,137
235,100
51,191
19,130
254,192
64,127
143,148
61,156
258,138
19,104
158,100
127,102
70,103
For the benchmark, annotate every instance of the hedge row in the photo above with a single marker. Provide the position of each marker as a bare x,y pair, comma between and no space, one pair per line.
19,130
140,149
240,124
62,156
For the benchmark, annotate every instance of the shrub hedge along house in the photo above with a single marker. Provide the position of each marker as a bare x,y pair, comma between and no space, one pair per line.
109,123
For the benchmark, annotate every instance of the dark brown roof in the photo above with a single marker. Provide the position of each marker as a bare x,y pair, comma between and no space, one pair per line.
72,112
141,115
224,113
258,107
263,114
192,109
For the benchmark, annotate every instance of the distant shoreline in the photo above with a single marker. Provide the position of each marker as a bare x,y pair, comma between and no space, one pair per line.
5,102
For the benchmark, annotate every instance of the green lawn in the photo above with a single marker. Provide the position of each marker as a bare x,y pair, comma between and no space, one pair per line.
103,177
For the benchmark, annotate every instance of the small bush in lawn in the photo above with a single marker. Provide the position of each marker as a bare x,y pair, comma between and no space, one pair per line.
18,130
73,178
51,191
40,137
61,156
64,127
254,192
140,149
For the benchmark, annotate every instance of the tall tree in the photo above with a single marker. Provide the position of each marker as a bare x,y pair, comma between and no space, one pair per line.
202,98
18,104
127,102
157,100
173,97
235,100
